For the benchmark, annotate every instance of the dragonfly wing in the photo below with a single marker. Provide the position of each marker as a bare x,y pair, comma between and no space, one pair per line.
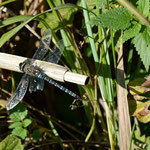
44,45
35,83
19,93
55,55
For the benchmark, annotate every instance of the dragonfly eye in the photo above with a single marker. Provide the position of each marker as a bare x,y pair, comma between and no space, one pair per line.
21,66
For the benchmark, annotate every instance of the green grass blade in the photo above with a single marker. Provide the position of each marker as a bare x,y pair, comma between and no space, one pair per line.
93,48
132,133
14,20
56,133
7,2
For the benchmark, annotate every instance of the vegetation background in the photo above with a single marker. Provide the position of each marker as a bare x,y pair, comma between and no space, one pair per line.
106,40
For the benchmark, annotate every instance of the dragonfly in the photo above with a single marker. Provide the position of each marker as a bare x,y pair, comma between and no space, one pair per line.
34,76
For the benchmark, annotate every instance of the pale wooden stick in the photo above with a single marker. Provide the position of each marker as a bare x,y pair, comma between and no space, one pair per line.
123,109
54,71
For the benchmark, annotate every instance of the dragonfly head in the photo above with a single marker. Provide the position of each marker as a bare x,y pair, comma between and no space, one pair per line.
21,66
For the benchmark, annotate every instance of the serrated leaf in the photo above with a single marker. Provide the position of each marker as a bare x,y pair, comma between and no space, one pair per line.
27,122
141,43
15,124
116,18
129,33
67,14
20,132
147,35
18,113
11,142
143,6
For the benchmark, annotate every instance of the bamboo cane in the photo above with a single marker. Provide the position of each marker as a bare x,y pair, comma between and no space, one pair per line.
54,71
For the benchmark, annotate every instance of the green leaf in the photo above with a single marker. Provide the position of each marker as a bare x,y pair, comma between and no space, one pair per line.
142,45
142,138
18,113
15,124
11,142
144,118
36,134
14,20
19,131
131,31
54,23
147,35
27,122
144,6
116,18
148,146
135,86
136,107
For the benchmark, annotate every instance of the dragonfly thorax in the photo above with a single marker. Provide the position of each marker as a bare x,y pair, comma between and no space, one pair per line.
31,69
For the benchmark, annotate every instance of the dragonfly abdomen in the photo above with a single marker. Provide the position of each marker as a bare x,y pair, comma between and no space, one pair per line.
46,78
